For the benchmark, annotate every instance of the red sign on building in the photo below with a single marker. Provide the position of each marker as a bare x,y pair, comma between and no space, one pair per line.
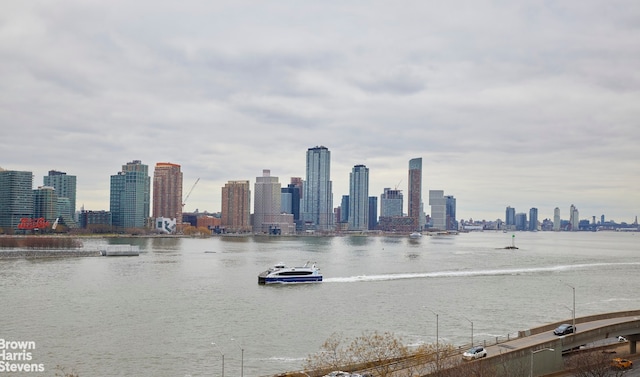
27,223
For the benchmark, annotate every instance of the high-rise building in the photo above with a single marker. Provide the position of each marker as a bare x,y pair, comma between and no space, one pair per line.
130,196
65,186
556,219
438,205
236,207
574,218
415,189
450,213
521,221
359,198
45,203
533,219
167,191
299,183
344,209
16,198
317,201
290,200
267,202
391,203
510,218
373,213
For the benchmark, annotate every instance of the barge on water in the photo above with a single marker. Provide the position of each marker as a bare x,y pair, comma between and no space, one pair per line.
120,251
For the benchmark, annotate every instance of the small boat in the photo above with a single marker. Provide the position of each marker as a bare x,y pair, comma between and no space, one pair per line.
280,273
415,235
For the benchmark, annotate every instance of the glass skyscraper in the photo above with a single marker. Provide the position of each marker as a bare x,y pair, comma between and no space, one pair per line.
130,196
533,219
65,186
45,203
359,198
510,218
317,200
391,203
373,213
16,198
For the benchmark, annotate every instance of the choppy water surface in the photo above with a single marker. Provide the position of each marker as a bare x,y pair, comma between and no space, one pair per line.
157,314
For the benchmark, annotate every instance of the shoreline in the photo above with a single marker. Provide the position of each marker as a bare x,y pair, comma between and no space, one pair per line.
47,253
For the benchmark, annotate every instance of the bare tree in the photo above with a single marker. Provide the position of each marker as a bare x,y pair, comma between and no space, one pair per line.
593,364
378,352
331,356
381,354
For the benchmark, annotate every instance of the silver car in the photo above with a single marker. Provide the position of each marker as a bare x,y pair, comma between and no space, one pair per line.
475,353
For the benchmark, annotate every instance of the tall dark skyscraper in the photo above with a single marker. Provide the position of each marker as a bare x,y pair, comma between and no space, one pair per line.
359,198
415,189
533,219
344,209
510,218
373,213
317,201
292,204
452,223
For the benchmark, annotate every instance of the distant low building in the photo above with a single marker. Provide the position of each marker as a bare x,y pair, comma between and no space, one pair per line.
165,225
398,224
89,219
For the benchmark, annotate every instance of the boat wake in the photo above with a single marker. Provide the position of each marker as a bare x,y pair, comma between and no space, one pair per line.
471,273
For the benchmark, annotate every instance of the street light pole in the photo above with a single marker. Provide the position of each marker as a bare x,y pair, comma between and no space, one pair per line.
532,352
222,354
437,340
470,321
241,360
574,307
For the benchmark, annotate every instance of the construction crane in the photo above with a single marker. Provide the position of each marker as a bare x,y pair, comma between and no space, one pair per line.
184,201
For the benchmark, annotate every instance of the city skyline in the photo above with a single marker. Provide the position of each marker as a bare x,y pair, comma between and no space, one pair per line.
525,104
509,217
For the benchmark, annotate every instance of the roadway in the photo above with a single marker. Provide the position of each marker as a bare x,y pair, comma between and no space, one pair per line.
590,330
593,329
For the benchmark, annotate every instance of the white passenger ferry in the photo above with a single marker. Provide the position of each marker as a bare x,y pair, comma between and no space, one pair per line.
280,273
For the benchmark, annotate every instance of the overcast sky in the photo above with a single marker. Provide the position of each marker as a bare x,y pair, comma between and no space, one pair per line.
520,103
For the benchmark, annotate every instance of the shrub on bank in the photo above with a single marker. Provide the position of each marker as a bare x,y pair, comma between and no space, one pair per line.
39,242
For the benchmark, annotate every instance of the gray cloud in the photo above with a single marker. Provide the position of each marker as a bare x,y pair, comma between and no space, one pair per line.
524,104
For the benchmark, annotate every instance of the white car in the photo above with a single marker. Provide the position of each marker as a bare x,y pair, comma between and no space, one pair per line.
475,353
338,373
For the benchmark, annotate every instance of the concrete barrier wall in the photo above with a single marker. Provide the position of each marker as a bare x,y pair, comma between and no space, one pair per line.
596,317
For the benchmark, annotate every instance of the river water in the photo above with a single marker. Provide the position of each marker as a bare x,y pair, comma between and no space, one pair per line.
159,313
